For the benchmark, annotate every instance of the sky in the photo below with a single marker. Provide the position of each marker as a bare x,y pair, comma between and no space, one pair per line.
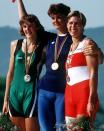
93,10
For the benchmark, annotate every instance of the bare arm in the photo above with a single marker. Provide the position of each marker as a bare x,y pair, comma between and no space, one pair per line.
21,9
9,77
92,63
93,49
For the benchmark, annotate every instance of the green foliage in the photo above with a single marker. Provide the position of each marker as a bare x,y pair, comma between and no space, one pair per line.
6,124
2,90
84,124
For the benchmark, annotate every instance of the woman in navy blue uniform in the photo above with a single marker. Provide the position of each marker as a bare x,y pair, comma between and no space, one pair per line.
52,84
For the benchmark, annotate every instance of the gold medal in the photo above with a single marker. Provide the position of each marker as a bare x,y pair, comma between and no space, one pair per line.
57,52
55,66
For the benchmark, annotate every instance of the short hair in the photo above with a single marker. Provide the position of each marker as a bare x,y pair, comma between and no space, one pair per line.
30,18
79,15
59,8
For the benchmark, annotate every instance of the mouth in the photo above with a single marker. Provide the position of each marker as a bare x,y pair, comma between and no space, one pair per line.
28,33
73,30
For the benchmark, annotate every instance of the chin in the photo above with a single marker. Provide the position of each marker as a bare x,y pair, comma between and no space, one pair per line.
73,35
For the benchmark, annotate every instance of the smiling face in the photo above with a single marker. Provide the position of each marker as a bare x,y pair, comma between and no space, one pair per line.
58,13
75,26
30,26
29,29
59,21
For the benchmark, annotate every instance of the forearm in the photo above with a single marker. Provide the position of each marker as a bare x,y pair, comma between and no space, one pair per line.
92,63
93,82
10,73
21,9
8,81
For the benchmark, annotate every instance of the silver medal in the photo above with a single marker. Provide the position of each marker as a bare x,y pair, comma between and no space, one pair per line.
27,78
55,66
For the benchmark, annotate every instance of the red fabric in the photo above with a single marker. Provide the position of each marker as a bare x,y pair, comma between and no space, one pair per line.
76,99
76,60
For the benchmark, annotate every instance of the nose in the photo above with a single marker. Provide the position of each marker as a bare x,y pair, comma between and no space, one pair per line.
27,27
73,24
54,20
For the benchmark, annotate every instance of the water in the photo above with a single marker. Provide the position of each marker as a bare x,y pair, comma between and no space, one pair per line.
99,123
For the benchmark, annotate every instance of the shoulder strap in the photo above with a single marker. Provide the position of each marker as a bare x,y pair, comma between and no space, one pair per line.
18,46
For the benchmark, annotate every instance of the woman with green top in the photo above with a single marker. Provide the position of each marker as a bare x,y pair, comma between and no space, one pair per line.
20,94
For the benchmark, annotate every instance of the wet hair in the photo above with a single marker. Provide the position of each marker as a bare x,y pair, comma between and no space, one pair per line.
79,15
59,8
30,18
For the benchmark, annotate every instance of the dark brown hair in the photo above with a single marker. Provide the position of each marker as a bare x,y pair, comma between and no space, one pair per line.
59,8
30,18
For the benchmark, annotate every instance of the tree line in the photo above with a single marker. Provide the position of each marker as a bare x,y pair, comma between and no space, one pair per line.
2,90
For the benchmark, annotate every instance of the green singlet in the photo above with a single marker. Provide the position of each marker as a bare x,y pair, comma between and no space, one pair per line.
23,94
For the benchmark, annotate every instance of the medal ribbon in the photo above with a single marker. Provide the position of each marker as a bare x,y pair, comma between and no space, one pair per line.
28,62
58,51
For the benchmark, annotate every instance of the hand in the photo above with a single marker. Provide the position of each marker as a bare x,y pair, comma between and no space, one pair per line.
5,107
13,1
90,48
91,110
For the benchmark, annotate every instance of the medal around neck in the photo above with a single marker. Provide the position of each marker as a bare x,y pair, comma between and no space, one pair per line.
55,66
27,78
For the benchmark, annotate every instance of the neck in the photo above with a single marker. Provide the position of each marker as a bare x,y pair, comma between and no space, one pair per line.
62,31
31,41
77,39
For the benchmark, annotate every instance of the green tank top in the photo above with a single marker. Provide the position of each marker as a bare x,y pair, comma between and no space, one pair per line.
20,89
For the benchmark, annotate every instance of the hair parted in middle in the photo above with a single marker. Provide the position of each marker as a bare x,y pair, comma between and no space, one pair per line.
30,18
79,15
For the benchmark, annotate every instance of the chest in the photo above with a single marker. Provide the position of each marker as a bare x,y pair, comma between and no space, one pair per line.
60,51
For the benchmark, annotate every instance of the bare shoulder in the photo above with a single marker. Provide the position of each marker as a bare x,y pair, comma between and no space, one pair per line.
13,45
89,41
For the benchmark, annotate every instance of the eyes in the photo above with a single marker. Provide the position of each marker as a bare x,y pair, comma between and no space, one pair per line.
78,24
74,21
57,17
26,26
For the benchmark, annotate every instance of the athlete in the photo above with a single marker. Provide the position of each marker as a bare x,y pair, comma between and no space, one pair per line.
81,98
50,121
20,94
52,85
